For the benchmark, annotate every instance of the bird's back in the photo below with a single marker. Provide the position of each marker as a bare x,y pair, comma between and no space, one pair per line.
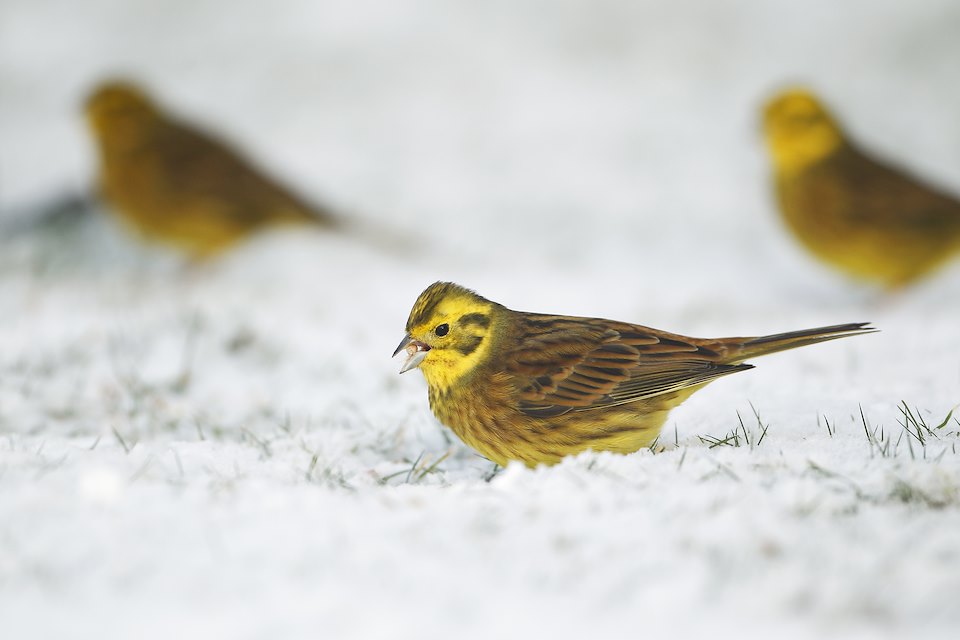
869,218
175,183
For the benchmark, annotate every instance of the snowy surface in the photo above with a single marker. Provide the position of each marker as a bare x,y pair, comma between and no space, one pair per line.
226,450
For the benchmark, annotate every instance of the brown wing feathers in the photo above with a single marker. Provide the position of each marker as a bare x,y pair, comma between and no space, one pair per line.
575,364
578,364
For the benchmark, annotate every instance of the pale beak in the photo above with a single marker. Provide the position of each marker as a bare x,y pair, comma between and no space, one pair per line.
416,352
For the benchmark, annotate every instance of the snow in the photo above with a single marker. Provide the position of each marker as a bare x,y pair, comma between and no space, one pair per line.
226,450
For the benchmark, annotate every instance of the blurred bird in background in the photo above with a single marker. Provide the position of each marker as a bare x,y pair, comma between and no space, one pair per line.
859,214
175,184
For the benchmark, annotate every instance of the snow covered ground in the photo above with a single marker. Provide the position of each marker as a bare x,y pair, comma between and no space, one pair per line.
226,450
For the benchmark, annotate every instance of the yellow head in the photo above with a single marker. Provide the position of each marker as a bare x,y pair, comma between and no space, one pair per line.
121,116
449,333
799,130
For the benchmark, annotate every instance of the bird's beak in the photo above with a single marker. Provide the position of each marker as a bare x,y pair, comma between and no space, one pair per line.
416,352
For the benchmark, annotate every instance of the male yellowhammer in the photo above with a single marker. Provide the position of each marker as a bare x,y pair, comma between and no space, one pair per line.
535,388
866,218
176,184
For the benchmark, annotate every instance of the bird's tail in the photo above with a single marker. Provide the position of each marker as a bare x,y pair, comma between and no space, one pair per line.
752,347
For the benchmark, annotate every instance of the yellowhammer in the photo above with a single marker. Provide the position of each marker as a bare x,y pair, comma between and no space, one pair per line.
536,388
176,184
864,217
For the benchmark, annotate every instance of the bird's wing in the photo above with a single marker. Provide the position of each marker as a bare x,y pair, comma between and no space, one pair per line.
890,196
577,364
204,166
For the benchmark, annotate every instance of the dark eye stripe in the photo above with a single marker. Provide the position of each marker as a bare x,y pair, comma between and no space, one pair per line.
469,345
478,319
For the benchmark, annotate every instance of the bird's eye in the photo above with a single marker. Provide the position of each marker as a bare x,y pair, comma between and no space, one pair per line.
442,329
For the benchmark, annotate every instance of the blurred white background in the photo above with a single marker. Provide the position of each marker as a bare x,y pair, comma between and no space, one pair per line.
593,157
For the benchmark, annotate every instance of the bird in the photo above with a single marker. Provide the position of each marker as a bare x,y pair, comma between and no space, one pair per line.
536,388
176,184
860,214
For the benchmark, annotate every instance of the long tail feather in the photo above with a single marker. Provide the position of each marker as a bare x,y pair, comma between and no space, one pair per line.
763,345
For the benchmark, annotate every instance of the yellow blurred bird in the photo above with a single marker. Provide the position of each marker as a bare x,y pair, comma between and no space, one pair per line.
535,388
176,184
866,218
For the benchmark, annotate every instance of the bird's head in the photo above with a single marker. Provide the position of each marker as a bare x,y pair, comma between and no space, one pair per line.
799,130
120,115
449,332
